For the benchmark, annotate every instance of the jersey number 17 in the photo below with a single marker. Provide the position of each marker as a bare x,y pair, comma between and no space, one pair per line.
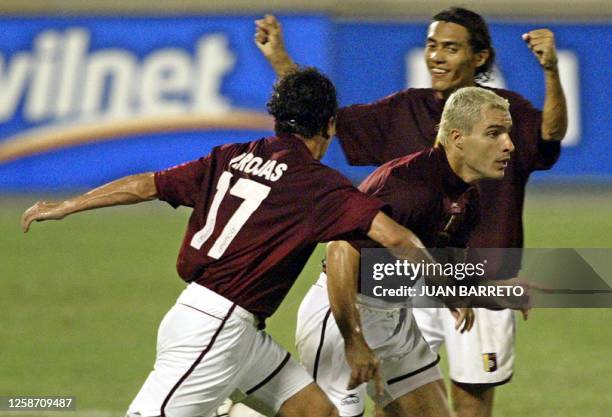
252,192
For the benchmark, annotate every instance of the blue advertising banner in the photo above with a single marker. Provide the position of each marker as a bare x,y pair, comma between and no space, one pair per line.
86,100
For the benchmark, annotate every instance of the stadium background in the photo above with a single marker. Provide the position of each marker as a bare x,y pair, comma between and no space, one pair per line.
81,299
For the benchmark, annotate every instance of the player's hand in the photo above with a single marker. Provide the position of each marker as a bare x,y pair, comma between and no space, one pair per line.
41,211
525,312
464,318
523,303
542,44
269,37
530,288
364,365
269,40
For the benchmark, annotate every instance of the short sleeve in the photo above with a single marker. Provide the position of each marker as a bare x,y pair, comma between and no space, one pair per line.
533,152
365,132
405,207
340,210
180,185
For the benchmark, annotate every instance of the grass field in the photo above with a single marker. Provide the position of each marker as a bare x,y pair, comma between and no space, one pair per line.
80,301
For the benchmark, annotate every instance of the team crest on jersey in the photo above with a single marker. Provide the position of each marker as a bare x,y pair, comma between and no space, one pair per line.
489,361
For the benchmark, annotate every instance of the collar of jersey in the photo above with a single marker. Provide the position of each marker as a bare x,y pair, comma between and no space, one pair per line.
295,142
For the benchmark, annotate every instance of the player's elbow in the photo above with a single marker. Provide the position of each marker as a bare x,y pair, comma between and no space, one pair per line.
395,236
554,134
399,238
144,186
389,233
554,130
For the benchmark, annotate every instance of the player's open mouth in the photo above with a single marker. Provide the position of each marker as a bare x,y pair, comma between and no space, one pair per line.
438,72
503,163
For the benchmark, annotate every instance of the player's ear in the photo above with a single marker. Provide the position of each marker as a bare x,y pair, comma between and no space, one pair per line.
331,127
481,57
455,138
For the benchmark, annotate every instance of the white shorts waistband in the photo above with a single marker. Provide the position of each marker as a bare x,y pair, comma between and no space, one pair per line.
200,297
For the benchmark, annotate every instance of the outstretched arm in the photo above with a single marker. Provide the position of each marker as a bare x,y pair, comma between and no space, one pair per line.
269,40
554,115
127,190
342,275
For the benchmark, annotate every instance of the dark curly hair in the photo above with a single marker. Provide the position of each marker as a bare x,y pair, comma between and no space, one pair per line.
480,38
302,103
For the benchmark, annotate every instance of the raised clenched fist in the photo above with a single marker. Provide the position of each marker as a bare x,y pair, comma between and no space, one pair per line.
542,44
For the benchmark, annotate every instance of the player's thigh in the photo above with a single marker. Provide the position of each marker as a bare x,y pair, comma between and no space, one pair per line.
472,400
199,358
333,373
312,317
484,355
272,376
407,361
321,349
428,400
310,401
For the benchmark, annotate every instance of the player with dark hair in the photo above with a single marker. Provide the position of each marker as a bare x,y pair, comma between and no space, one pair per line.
458,53
478,36
295,115
259,210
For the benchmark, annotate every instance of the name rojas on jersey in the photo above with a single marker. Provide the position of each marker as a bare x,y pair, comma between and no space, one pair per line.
248,163
61,79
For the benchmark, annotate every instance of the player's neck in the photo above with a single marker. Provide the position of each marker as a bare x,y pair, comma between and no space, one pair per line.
444,94
460,168
317,145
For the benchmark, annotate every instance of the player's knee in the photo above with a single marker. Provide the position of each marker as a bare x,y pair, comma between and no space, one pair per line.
428,400
308,402
325,408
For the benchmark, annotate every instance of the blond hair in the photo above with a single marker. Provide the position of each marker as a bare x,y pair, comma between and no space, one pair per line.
463,110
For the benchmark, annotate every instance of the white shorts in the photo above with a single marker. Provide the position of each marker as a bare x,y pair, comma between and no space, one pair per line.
484,355
407,362
207,347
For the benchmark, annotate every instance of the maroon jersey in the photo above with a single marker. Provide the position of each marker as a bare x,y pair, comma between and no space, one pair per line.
406,122
259,209
423,194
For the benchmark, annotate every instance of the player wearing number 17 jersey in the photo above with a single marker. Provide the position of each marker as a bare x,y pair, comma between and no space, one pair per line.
259,209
